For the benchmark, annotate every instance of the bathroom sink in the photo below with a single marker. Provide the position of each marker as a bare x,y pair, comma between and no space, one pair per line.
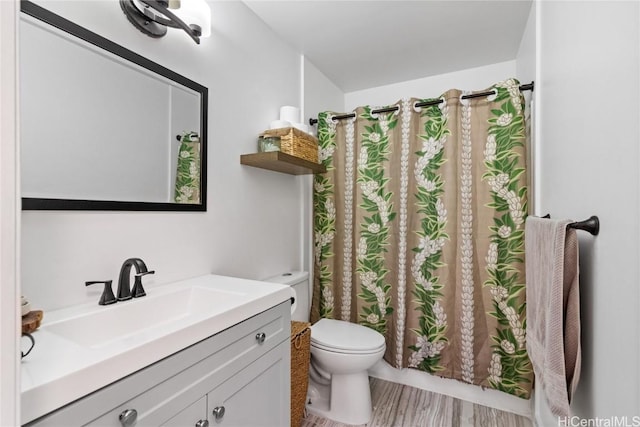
82,348
142,319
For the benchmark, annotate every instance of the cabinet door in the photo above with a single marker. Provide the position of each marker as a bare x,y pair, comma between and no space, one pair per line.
190,416
257,396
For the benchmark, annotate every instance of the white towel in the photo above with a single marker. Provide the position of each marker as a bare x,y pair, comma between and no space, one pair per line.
553,309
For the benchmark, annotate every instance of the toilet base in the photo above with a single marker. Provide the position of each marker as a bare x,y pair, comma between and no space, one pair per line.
318,399
347,400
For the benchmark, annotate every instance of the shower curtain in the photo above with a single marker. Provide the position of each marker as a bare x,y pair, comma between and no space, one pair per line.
187,188
419,233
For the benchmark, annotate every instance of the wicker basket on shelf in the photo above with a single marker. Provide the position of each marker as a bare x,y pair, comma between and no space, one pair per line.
295,142
300,358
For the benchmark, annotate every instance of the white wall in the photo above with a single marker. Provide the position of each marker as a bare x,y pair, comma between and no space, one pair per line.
249,228
470,79
526,72
9,218
588,93
319,94
526,57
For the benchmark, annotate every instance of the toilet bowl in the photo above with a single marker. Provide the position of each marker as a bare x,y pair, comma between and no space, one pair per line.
341,353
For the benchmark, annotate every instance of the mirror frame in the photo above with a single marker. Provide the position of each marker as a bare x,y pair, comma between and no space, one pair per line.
32,203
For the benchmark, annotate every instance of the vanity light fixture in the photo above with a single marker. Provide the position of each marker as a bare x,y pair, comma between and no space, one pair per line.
152,17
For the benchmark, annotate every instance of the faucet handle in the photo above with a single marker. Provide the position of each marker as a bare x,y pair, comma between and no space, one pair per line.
107,294
138,290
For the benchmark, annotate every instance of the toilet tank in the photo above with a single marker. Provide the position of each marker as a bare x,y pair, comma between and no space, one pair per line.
299,281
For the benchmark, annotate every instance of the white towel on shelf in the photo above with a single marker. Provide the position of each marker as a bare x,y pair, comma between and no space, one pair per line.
553,309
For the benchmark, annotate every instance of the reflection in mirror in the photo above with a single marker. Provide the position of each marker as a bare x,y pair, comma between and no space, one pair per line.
103,128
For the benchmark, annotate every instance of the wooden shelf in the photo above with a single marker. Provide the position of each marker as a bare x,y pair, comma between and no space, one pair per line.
281,162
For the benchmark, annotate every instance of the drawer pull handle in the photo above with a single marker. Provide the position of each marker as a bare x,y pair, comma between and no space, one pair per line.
218,412
128,417
202,423
260,337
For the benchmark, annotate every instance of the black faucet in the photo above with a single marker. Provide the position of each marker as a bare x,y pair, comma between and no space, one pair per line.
124,287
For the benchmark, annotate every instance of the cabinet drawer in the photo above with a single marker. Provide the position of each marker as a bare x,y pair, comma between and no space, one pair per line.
161,402
163,389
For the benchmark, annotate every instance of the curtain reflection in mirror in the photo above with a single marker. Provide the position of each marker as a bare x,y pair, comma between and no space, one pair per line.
188,172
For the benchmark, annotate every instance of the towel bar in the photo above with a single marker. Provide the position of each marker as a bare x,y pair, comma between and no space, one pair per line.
591,225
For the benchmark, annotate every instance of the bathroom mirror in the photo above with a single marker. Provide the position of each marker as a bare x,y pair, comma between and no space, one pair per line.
103,128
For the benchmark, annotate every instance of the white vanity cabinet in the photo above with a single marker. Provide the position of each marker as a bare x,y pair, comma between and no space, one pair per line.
238,377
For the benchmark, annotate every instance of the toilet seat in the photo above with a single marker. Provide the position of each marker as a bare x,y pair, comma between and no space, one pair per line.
344,337
341,351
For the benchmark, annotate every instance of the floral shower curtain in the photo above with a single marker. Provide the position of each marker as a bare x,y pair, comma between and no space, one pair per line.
187,188
419,233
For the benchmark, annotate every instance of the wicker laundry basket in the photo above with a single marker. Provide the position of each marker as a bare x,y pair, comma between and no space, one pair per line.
300,358
295,142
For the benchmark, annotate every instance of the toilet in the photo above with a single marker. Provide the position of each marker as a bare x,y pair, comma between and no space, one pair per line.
341,354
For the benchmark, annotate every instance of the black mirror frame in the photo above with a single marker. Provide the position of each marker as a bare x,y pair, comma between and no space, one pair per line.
31,203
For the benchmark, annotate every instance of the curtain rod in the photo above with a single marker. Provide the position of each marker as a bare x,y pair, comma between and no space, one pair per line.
528,86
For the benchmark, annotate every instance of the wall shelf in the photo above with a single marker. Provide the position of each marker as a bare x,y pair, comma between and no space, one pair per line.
281,162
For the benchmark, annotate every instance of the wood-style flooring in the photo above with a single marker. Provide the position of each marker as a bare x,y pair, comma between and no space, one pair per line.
397,405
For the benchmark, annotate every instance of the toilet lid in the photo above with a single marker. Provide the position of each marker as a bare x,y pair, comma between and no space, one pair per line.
346,336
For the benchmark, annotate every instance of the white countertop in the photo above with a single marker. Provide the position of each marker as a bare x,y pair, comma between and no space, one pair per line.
60,369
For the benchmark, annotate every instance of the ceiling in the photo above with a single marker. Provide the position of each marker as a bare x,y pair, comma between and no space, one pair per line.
364,44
